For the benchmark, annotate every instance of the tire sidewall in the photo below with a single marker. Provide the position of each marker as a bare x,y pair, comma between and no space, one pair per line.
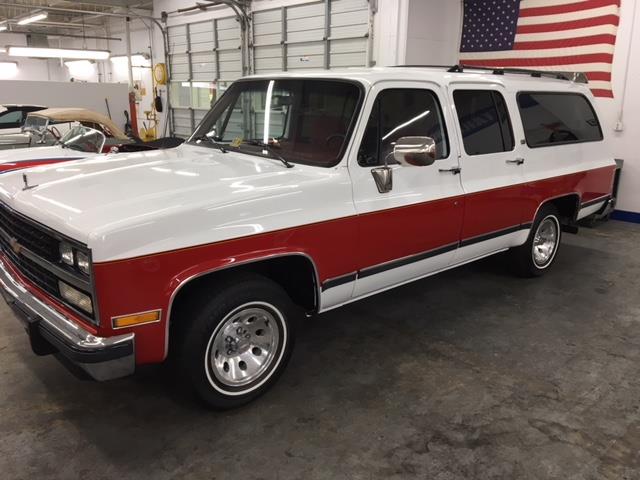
553,216
209,318
283,338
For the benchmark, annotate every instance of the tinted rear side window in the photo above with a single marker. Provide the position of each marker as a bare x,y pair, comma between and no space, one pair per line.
557,118
484,121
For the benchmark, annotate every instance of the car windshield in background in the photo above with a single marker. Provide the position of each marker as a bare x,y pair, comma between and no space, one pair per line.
302,121
35,122
83,139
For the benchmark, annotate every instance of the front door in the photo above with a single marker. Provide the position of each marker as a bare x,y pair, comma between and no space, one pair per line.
413,229
491,169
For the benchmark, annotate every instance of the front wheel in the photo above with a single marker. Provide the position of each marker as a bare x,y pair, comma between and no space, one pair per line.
238,342
539,251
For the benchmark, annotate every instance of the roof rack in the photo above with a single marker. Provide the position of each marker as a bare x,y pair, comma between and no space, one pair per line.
577,77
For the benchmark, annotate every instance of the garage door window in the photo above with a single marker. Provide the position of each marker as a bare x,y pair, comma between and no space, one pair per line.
401,113
558,118
484,121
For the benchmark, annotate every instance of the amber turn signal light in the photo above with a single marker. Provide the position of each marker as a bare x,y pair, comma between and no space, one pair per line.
136,319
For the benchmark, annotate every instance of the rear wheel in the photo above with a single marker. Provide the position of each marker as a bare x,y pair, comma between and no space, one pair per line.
238,342
539,251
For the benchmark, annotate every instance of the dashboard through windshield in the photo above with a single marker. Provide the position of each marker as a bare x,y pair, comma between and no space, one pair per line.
300,120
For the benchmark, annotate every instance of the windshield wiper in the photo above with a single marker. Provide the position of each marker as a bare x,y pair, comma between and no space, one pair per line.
220,146
270,149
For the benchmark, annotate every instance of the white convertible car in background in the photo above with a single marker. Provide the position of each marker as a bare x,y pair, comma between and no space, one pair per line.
86,134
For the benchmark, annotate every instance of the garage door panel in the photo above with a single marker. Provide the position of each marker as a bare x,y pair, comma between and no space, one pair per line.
340,6
306,10
268,40
267,28
267,16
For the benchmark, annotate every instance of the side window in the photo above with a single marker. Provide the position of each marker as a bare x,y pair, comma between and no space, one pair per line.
484,121
401,113
552,118
11,119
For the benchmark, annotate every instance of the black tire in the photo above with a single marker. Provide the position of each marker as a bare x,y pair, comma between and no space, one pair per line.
523,257
198,351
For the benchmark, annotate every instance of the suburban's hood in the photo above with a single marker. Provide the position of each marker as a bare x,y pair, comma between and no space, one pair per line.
131,204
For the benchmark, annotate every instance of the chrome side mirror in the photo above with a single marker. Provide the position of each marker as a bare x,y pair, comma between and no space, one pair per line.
415,151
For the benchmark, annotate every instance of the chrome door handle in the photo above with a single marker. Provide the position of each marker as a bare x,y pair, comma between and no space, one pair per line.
517,161
453,170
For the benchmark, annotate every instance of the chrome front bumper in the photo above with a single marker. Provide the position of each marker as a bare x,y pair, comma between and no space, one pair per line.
50,331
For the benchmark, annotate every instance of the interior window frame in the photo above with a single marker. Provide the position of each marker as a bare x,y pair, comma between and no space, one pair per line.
569,142
376,106
492,92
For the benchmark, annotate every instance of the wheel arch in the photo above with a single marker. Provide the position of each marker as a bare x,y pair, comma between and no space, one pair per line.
296,272
568,206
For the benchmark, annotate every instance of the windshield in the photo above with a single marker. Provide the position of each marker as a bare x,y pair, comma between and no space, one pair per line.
35,122
302,121
83,139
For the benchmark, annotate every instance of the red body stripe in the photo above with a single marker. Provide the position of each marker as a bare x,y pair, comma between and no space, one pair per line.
10,166
567,42
337,247
541,62
568,8
570,25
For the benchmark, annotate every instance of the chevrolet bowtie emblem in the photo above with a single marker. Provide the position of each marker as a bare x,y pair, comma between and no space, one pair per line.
15,246
26,183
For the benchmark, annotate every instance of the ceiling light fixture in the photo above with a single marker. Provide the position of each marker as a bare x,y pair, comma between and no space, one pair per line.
36,17
70,53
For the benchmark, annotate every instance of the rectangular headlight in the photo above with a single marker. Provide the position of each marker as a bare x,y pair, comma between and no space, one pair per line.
66,253
82,261
76,297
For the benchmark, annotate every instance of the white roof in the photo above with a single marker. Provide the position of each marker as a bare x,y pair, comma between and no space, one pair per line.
438,75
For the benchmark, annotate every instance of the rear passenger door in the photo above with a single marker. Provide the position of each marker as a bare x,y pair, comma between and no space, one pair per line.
491,164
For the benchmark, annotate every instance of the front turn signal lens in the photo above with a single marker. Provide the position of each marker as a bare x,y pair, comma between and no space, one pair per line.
136,319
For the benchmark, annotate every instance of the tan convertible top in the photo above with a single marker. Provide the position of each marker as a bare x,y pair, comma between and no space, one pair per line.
82,115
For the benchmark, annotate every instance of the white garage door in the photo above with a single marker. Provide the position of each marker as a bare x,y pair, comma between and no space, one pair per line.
206,56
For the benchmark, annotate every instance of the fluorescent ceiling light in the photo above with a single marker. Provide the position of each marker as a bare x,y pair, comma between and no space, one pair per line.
58,53
3,50
33,18
8,70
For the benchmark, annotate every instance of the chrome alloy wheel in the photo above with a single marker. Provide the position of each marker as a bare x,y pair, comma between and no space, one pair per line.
245,345
545,241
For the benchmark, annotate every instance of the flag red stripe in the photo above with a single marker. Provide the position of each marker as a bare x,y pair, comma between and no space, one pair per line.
601,92
599,76
568,8
540,62
566,42
571,25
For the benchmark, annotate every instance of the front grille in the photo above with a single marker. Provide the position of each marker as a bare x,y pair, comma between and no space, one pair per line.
29,235
41,277
45,246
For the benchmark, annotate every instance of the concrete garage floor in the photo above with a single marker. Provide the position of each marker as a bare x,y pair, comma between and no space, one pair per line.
469,374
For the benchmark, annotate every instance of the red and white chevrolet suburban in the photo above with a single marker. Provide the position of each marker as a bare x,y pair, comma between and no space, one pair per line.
297,193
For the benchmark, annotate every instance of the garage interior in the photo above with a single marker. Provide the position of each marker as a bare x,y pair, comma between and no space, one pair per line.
467,374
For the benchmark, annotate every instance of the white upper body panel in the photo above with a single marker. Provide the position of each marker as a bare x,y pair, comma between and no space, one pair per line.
128,205
135,204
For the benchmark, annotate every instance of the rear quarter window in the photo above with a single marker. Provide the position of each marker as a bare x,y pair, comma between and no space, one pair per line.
551,118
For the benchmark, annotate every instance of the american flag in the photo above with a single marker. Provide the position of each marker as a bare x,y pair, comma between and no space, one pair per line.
564,35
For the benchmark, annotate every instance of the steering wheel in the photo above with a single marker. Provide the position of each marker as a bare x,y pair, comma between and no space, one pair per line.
331,137
55,132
